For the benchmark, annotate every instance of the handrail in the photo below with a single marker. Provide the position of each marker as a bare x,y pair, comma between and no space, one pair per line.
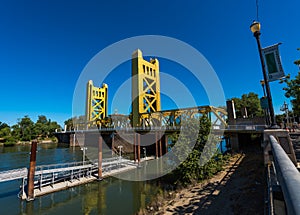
288,177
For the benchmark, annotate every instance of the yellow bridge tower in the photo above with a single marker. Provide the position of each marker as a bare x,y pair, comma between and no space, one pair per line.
96,103
145,87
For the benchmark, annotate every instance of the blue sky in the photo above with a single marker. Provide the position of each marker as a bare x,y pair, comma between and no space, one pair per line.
46,44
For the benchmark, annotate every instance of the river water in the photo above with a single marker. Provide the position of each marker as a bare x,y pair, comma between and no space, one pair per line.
110,196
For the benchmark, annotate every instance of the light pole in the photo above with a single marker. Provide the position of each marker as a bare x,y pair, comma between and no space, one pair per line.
262,82
255,28
266,110
285,108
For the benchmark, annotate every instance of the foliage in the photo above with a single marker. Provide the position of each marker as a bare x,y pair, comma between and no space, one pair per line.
249,101
69,124
27,130
3,125
80,121
195,167
292,90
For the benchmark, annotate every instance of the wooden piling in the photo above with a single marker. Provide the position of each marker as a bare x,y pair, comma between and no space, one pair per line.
30,185
100,158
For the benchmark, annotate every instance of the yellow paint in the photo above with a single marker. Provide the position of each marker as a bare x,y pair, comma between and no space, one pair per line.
145,87
96,103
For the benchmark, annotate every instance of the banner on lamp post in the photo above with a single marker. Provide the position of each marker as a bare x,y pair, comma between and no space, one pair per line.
273,62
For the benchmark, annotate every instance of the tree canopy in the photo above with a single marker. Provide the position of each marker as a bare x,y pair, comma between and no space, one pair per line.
292,90
195,151
26,130
251,103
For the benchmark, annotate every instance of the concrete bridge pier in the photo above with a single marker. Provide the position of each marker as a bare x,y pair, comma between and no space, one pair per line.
77,139
234,142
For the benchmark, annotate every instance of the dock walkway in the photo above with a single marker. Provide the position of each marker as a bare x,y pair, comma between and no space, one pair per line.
54,177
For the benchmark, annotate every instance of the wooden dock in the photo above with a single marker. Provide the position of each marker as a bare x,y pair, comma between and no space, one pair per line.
56,177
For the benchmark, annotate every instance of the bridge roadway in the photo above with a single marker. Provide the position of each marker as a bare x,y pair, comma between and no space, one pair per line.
170,129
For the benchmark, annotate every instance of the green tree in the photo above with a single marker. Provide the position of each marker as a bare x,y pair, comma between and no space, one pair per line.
41,127
3,125
53,126
251,103
5,132
16,131
69,124
297,62
194,145
26,126
292,90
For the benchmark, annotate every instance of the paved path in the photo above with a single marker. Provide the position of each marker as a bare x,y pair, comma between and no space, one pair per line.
239,189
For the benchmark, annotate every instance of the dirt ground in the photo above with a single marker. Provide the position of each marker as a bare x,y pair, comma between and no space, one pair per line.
238,189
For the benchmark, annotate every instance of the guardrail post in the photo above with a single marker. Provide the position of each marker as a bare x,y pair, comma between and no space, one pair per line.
30,186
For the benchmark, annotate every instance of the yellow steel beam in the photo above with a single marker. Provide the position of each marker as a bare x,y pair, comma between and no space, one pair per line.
96,103
145,87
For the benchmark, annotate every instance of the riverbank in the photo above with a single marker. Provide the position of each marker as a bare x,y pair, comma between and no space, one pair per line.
54,140
237,189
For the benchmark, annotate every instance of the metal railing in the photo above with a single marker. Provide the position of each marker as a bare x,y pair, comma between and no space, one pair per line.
288,177
13,174
246,127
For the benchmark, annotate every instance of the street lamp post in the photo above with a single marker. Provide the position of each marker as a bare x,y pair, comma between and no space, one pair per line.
262,82
255,28
266,110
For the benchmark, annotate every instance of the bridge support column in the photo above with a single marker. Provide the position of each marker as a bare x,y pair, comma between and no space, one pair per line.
166,143
234,141
30,185
112,144
156,145
139,148
160,145
100,158
134,147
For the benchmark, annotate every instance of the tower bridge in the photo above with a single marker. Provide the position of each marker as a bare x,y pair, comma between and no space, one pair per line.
148,123
146,102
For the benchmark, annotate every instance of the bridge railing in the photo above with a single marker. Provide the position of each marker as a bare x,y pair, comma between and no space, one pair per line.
288,177
246,127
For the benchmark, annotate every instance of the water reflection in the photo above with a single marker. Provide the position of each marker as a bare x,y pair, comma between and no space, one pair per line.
109,196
